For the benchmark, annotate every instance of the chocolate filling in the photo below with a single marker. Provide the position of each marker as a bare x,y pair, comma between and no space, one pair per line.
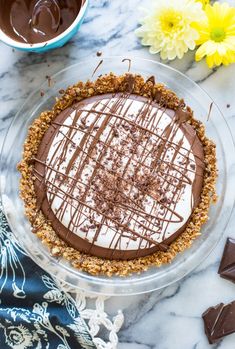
118,194
36,21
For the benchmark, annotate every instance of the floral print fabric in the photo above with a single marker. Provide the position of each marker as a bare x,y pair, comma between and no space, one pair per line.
34,312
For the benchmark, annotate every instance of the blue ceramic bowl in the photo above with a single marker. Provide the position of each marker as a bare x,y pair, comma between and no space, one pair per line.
56,42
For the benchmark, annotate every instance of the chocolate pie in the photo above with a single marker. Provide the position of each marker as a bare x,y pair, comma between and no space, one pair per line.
118,176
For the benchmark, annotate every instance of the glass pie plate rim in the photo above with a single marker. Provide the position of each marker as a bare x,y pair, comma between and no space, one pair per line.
154,278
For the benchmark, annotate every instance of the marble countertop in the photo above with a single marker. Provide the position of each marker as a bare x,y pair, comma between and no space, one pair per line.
170,319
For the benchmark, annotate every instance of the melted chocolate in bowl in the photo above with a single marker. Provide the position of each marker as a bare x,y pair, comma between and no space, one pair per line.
118,176
36,21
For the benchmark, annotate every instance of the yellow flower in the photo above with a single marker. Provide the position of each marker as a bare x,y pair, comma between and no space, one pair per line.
168,27
217,35
204,2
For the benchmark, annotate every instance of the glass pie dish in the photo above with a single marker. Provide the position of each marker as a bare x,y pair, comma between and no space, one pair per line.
155,277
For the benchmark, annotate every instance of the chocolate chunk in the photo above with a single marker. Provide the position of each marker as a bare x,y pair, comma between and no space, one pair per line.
227,265
151,79
182,115
130,83
157,96
219,321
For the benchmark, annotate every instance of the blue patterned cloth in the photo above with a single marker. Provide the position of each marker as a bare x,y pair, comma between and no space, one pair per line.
34,312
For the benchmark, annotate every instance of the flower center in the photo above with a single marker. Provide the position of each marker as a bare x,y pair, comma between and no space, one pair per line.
217,34
170,21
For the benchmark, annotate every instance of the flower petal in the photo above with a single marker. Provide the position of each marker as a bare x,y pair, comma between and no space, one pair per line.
210,61
168,27
222,50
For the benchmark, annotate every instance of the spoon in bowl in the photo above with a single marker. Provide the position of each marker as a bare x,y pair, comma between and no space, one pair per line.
46,16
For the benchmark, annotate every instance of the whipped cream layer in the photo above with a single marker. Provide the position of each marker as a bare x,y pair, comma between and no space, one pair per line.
118,176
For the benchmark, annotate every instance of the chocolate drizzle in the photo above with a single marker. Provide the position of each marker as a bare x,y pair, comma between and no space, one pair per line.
97,67
110,179
129,63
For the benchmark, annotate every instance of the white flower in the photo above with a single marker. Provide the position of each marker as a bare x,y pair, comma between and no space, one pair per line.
18,337
168,27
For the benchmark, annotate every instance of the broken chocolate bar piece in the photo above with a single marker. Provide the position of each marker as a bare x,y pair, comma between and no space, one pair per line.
219,321
227,265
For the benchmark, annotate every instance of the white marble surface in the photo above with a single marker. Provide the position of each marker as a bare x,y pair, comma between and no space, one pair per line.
170,319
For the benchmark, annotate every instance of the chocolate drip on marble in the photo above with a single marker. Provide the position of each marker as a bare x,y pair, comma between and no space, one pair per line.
129,63
112,198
